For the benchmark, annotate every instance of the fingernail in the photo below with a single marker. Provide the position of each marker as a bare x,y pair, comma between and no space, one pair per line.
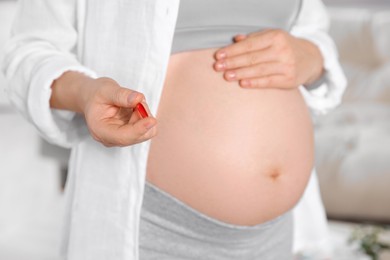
231,75
221,55
220,65
149,125
132,97
239,37
245,83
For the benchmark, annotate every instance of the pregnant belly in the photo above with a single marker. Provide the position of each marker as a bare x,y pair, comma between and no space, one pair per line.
242,156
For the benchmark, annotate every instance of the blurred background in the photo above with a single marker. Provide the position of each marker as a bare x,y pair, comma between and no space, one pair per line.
353,146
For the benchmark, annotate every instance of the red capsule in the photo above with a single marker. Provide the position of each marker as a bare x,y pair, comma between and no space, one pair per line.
141,110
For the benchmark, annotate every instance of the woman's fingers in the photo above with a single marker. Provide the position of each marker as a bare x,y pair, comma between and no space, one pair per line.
272,81
112,116
245,60
256,71
112,134
123,97
246,44
240,37
253,58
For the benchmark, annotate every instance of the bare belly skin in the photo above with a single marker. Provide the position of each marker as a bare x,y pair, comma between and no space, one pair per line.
242,156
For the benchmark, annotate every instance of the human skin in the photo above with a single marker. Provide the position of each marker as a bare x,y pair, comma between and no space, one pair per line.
108,108
239,149
270,59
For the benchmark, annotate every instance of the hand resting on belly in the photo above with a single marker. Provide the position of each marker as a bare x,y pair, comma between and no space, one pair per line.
239,155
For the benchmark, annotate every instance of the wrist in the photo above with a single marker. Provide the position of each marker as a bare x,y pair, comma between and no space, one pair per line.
315,63
85,87
71,91
317,83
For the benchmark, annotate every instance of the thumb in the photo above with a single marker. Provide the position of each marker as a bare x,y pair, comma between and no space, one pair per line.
123,97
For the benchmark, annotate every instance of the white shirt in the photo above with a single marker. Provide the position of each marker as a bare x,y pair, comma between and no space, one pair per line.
130,42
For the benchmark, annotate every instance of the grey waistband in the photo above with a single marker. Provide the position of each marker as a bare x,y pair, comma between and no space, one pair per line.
161,207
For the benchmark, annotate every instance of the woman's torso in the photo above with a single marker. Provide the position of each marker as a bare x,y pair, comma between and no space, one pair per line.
242,156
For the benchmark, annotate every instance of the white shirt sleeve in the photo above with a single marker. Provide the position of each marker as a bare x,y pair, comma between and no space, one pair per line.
42,47
312,24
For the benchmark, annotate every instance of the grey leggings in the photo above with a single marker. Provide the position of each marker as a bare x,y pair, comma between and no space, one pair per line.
172,230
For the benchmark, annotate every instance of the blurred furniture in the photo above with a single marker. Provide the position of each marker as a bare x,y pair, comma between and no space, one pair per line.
353,141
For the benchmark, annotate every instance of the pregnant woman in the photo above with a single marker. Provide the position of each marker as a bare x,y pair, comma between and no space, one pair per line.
230,148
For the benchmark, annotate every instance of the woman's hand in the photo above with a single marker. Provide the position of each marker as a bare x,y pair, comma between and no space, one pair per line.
111,118
270,59
108,108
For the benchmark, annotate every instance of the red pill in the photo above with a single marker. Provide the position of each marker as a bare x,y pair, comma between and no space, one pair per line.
141,110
